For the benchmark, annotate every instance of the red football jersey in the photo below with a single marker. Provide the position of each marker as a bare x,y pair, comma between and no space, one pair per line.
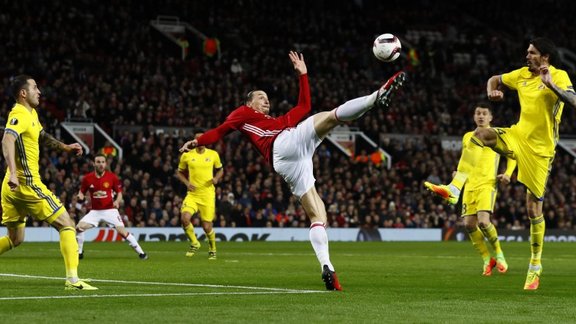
261,129
101,189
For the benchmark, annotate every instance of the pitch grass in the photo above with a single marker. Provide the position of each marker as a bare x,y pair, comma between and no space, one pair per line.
383,283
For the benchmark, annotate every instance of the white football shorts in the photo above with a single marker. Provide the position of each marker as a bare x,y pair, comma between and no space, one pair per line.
292,156
109,216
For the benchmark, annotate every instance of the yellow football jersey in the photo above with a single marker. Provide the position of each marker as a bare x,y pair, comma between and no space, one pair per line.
541,109
486,169
24,124
200,169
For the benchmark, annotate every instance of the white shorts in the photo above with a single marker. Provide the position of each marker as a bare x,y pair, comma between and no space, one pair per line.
292,156
109,216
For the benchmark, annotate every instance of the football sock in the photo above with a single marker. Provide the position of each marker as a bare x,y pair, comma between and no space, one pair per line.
478,243
319,240
537,228
80,240
134,243
189,230
5,244
467,163
211,240
355,108
69,250
491,234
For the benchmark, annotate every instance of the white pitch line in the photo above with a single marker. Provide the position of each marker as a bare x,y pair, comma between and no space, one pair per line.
180,284
163,295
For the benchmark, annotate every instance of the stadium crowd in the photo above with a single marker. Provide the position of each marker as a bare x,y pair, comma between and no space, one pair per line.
107,64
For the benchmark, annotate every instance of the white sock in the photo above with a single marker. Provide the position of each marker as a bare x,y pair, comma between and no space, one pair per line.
80,240
319,240
454,190
133,243
355,108
534,267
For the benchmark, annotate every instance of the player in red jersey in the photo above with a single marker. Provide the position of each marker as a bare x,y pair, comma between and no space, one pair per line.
288,145
102,185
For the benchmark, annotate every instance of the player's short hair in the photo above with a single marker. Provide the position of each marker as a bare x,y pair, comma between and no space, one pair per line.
18,83
99,155
485,105
249,97
546,47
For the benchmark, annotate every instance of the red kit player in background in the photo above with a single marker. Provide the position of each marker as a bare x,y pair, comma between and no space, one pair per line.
102,186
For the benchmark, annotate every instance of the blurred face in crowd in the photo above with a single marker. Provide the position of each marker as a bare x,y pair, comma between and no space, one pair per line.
534,59
100,164
30,94
259,101
482,117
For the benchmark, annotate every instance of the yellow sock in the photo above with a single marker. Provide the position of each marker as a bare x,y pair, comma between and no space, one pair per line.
5,244
69,250
537,228
478,243
468,161
459,180
212,240
492,235
189,230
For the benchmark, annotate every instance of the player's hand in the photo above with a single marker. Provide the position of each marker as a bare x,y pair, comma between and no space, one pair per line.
503,178
545,76
116,204
76,148
495,95
190,187
188,146
215,181
81,196
298,62
13,182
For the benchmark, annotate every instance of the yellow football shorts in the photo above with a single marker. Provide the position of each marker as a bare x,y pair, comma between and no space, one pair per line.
35,201
533,170
205,204
481,199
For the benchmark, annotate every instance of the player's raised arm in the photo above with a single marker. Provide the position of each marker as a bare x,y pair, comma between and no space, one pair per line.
493,89
568,96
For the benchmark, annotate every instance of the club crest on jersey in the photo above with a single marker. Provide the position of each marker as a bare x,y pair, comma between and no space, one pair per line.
13,121
106,184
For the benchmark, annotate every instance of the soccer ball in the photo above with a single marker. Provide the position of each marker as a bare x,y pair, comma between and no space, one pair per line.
387,47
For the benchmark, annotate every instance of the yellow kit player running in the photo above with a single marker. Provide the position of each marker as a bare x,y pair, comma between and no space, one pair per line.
480,195
542,90
196,171
23,193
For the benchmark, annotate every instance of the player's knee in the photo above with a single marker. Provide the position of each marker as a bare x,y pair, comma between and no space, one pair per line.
470,227
483,224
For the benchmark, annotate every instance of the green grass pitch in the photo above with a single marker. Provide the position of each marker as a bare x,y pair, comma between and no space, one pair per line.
279,282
